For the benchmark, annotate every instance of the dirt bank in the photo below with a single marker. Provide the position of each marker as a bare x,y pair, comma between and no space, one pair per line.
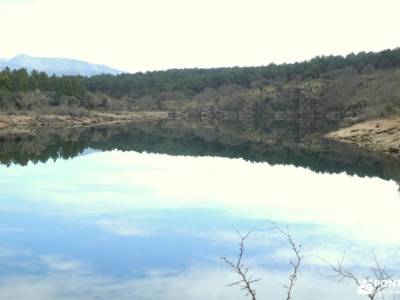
382,135
17,123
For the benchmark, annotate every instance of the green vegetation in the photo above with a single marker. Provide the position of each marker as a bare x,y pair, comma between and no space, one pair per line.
193,81
274,144
21,81
152,90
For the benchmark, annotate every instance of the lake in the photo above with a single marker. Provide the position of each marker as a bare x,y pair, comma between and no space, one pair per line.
146,210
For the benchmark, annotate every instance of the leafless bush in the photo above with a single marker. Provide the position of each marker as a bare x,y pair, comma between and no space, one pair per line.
246,280
371,285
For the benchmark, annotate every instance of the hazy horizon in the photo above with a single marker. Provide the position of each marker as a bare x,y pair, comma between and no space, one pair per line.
157,35
194,67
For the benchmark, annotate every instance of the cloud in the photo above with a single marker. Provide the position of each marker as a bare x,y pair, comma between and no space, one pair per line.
60,263
256,191
74,279
123,227
11,252
195,283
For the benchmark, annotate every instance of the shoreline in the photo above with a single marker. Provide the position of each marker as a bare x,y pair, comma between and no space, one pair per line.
27,122
379,135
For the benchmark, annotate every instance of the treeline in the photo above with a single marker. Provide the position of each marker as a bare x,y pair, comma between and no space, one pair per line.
22,81
177,139
193,81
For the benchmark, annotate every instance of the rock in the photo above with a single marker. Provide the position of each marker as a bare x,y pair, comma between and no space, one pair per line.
393,149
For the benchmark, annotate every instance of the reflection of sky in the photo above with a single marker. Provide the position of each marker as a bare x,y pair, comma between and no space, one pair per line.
122,225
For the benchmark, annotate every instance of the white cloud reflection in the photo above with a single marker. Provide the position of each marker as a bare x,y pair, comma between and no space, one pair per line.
124,194
196,283
116,182
122,227
10,252
56,262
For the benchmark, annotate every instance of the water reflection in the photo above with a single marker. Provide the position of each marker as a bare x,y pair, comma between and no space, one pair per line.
277,142
126,225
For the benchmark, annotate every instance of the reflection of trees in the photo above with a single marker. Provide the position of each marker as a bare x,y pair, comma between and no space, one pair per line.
273,143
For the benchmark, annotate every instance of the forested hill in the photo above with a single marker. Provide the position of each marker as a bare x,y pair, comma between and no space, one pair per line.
158,86
196,80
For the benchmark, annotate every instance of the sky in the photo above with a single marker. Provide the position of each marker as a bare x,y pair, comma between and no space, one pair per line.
166,235
134,35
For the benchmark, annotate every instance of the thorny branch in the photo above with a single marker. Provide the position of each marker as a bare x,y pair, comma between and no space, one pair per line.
294,263
246,280
372,286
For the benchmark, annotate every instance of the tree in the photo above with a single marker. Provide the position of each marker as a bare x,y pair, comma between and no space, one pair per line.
246,280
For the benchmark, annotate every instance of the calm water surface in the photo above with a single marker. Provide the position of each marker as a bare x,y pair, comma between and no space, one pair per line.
136,225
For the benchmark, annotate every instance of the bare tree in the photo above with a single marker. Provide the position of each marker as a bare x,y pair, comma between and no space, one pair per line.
246,280
371,285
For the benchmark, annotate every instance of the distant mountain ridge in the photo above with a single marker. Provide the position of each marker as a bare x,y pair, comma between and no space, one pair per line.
56,66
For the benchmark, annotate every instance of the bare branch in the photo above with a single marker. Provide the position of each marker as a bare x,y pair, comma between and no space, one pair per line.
296,248
246,281
372,287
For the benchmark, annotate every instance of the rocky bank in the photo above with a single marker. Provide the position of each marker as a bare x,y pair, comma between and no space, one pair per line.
381,135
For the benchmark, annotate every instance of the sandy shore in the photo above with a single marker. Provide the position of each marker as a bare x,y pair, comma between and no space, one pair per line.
17,123
381,135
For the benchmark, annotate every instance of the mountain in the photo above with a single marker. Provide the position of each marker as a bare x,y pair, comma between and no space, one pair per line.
57,66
